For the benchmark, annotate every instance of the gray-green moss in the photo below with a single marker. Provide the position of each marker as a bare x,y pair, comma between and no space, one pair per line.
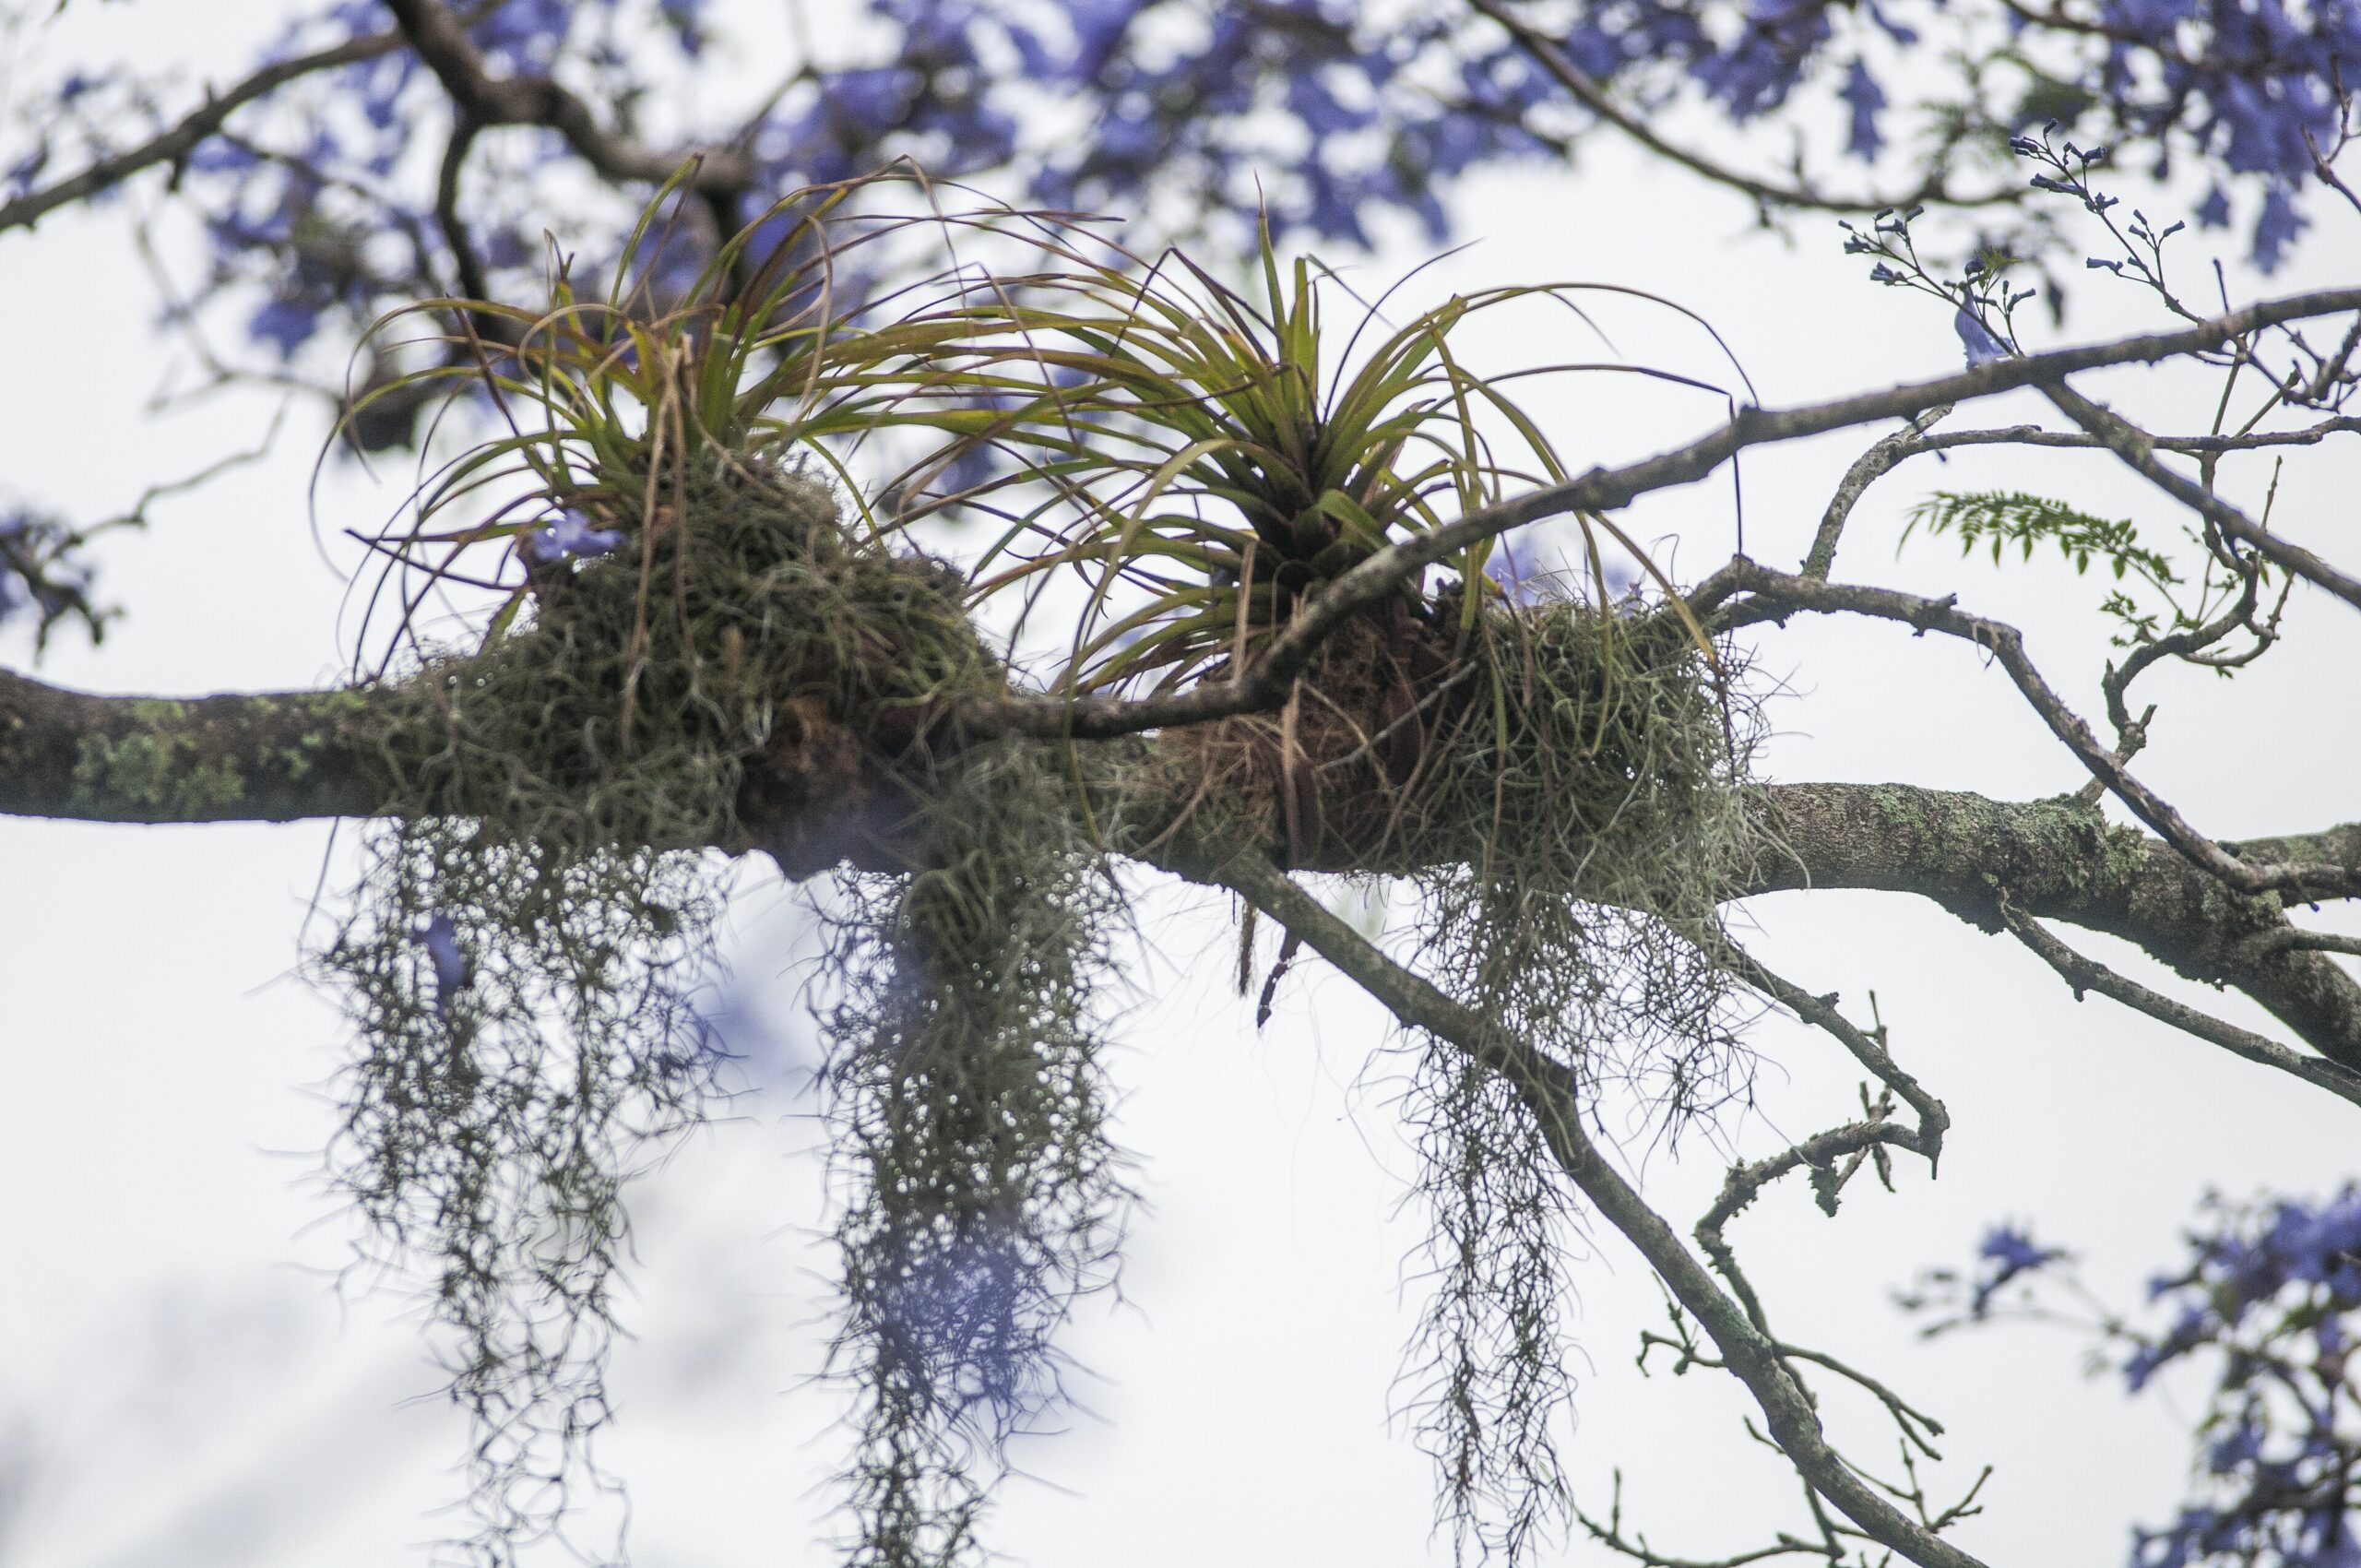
554,802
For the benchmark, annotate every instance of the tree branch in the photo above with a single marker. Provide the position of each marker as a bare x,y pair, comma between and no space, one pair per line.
1266,683
1866,469
442,44
277,757
2059,859
829,796
175,144
2137,451
1775,594
2086,974
1548,1090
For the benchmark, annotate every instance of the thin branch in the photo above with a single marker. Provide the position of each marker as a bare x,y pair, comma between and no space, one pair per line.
443,43
2138,452
175,144
475,284
2293,940
1265,684
1867,1048
1611,1536
1833,1156
1776,593
1866,469
2035,436
1548,1088
2086,974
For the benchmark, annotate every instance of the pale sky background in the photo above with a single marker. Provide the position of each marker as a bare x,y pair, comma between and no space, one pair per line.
187,1387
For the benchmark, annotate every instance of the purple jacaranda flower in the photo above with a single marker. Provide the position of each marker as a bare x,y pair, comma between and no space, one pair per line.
286,324
1867,101
571,536
2008,1251
2013,1249
1978,340
2276,229
439,937
2241,1445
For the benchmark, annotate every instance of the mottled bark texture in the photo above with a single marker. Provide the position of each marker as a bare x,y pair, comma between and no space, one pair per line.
822,795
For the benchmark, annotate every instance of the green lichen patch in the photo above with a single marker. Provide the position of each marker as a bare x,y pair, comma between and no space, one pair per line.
160,769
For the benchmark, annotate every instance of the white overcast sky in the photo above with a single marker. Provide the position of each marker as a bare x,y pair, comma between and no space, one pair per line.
188,1384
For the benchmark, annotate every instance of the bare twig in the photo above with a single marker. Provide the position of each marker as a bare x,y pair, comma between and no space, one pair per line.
175,144
1610,1534
1866,469
2036,435
2086,974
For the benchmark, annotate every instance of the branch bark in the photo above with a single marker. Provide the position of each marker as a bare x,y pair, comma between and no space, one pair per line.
176,142
288,755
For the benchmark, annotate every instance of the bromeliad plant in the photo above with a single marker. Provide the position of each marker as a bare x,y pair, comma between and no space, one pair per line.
537,911
1202,461
764,358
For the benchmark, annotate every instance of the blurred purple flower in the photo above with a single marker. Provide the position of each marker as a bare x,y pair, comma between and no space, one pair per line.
2276,229
286,324
2007,1253
1978,340
571,536
441,939
1863,96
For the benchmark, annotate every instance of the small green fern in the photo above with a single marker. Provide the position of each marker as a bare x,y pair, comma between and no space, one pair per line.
2002,518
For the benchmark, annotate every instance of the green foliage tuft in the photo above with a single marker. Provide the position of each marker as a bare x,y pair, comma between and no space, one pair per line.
1205,460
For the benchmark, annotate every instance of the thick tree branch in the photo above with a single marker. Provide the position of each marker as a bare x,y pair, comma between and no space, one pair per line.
1775,595
2060,860
827,796
278,757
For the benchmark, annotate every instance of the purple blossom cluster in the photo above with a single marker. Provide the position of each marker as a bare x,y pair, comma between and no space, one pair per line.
2270,1303
1328,116
2265,1312
2006,1253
